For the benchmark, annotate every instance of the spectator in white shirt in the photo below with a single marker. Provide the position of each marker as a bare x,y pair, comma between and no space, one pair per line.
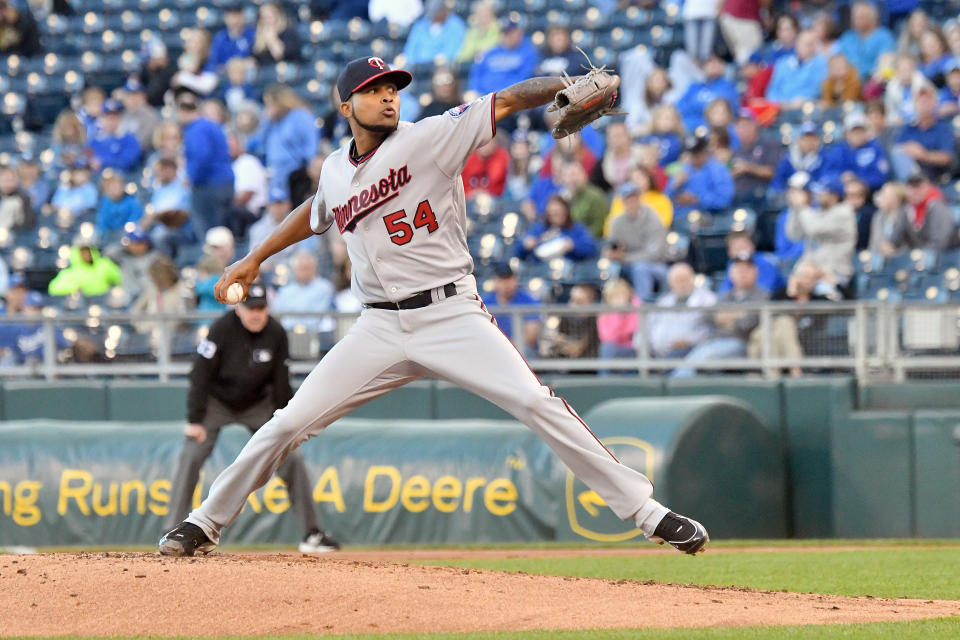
307,292
249,186
674,334
402,13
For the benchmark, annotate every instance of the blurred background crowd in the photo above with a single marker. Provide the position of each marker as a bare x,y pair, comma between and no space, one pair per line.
770,150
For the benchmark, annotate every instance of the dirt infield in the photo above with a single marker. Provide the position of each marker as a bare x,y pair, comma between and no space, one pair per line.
258,594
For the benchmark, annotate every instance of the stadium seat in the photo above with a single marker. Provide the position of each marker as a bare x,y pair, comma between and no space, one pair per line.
678,245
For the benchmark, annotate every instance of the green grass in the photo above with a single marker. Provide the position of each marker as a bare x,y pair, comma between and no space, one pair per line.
826,543
918,630
893,572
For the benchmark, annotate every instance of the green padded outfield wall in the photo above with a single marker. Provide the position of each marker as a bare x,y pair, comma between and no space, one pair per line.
62,400
929,394
708,455
402,481
936,446
811,406
871,454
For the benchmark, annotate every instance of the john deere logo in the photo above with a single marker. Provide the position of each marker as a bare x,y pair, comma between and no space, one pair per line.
588,513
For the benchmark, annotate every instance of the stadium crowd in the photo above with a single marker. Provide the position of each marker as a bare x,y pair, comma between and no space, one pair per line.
769,150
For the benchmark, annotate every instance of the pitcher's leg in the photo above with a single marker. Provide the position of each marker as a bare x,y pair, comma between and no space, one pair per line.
367,363
190,462
293,470
497,372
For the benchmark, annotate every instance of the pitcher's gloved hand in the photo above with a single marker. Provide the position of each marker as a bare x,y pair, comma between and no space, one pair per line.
584,100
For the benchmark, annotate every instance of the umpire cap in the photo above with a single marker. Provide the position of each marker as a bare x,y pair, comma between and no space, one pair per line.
362,71
256,297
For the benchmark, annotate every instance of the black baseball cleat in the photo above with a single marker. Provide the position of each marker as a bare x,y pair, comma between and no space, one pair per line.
682,533
317,541
186,539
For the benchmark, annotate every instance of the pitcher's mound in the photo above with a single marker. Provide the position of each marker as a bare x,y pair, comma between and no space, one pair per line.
134,594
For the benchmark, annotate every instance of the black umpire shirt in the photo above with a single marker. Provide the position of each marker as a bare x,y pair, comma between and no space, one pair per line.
239,368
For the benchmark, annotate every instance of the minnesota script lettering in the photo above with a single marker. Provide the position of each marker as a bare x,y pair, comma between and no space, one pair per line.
362,203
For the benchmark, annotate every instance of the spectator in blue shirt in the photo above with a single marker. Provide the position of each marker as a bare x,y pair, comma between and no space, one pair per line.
235,40
559,56
557,236
209,166
786,38
79,194
117,207
740,243
926,144
863,43
24,341
857,154
667,134
112,149
702,181
805,154
168,204
307,292
289,137
507,292
169,192
35,186
237,92
948,100
699,94
439,32
935,55
798,77
799,196
510,62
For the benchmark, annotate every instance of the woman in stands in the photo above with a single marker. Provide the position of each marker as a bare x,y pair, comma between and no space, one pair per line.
194,71
276,38
69,139
558,235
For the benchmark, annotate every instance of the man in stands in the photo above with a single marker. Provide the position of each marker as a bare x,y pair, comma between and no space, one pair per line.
702,182
925,145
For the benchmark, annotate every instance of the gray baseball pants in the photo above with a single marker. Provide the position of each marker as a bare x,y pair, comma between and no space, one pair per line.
455,340
293,471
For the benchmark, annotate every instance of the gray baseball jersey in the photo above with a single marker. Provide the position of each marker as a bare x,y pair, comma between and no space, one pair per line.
402,213
401,209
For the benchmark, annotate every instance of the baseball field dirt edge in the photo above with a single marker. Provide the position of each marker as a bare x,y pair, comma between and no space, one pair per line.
915,630
281,594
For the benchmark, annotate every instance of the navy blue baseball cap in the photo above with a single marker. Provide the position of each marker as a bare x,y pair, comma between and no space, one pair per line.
362,71
808,128
17,279
256,296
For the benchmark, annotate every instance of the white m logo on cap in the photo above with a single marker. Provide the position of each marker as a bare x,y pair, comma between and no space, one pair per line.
377,62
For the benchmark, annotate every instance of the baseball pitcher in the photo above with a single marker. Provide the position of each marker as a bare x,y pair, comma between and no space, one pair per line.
395,194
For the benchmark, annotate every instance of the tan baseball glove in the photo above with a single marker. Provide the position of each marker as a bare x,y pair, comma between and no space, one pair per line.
584,100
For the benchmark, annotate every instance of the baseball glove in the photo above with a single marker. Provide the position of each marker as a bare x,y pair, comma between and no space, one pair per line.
585,99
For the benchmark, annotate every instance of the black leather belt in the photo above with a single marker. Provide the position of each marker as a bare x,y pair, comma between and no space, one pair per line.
416,301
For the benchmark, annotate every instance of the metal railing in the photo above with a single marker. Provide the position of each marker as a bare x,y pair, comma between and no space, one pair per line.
875,341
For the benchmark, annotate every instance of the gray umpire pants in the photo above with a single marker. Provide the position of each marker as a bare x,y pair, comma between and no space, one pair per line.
293,471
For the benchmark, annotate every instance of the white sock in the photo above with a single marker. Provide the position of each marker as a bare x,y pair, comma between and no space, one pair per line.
649,516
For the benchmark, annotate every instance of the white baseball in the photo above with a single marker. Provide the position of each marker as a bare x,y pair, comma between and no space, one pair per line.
234,293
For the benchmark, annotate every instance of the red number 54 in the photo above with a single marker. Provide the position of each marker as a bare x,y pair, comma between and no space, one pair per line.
400,230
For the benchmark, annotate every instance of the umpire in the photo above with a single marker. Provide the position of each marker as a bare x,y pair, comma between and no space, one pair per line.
240,375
